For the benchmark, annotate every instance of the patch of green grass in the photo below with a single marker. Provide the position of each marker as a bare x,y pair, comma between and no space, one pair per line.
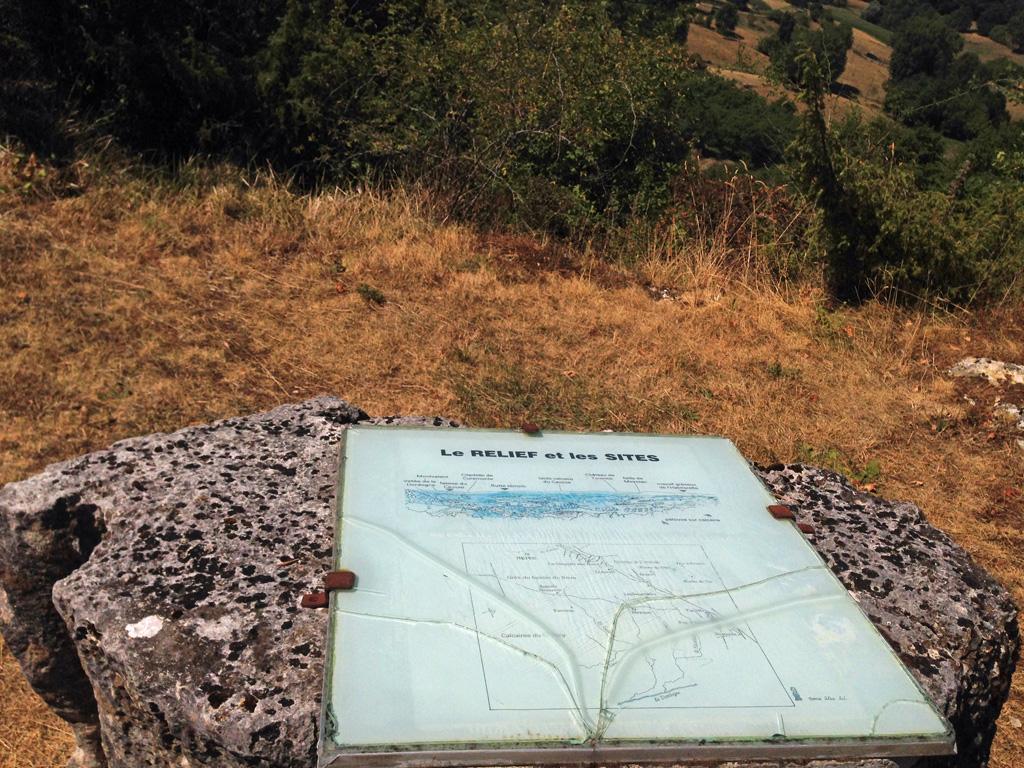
776,370
495,391
851,17
829,327
370,294
834,459
336,266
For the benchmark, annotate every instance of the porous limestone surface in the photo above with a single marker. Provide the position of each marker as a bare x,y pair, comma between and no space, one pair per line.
151,591
951,623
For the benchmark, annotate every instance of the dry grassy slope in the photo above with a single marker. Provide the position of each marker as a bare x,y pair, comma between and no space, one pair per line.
867,69
134,307
737,52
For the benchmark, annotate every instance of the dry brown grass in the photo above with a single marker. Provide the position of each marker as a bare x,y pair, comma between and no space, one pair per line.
867,69
138,306
30,736
738,52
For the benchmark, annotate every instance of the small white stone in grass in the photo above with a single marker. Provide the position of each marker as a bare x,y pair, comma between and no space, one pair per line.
147,627
6,614
996,371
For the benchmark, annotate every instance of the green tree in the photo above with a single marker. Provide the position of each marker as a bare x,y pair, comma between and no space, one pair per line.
958,102
994,13
787,48
726,17
1015,29
883,234
923,45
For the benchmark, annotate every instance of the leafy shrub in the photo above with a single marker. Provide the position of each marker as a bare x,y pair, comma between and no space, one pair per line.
29,106
726,17
885,235
548,114
174,76
829,42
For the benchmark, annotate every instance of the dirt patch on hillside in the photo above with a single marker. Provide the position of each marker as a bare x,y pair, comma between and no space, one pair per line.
523,258
737,52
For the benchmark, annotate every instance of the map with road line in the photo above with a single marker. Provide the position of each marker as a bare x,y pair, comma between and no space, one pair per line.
585,591
609,601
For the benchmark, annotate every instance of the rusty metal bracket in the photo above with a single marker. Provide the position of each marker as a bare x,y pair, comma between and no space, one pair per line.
782,512
341,580
314,600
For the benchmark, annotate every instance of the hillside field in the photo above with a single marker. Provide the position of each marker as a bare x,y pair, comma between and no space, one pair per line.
867,69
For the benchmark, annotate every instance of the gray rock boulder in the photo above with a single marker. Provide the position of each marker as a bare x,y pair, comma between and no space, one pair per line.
950,622
151,591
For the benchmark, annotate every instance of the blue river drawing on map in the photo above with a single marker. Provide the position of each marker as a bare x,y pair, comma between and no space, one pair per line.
546,504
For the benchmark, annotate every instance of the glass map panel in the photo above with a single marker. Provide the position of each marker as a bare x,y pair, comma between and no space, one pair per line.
605,593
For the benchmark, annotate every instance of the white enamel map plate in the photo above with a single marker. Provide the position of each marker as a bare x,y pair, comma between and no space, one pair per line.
561,598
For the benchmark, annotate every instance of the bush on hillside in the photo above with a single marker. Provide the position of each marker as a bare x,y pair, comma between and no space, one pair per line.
1015,31
933,86
886,235
992,16
923,45
830,43
872,13
726,17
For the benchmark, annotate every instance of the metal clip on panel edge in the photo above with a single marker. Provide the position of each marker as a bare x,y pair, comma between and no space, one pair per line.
342,580
782,512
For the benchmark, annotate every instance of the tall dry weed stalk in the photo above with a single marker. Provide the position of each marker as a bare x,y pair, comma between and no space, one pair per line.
733,229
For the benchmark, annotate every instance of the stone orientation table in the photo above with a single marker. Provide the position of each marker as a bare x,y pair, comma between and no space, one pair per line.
151,591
